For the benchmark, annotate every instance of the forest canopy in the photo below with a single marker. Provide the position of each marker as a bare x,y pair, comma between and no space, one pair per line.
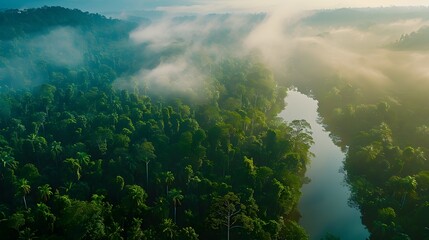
167,128
83,157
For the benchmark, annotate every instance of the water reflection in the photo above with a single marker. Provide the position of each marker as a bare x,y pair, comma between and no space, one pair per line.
324,202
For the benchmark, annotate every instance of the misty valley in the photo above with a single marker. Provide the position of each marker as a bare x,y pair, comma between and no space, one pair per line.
281,125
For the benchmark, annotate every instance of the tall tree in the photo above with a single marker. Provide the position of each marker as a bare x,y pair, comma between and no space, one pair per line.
146,152
227,211
175,196
24,189
168,179
56,150
73,167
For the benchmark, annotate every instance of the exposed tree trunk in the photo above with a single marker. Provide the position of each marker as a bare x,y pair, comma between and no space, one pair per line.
229,225
403,199
175,213
25,202
147,175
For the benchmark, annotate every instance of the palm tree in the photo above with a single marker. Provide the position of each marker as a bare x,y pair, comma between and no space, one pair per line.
83,158
176,196
8,161
147,152
38,144
40,119
135,231
24,189
45,192
169,179
27,234
169,228
56,149
74,166
134,200
32,138
188,233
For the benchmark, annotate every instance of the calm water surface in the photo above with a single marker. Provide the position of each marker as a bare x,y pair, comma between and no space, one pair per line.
324,201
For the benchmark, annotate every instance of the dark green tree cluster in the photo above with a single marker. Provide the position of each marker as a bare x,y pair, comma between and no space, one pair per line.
81,159
19,23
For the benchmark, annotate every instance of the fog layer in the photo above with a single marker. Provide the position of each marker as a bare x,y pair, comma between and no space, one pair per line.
294,47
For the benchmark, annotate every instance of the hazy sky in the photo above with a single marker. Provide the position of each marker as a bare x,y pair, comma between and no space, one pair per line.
204,6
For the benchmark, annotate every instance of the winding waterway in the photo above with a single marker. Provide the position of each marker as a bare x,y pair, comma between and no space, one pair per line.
324,201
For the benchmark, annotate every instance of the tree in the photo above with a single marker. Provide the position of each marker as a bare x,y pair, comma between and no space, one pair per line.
146,152
175,196
27,234
74,168
83,158
114,231
169,228
38,143
24,189
84,219
44,218
403,186
414,160
46,95
56,149
16,220
300,135
291,230
135,232
39,121
8,161
134,200
168,179
227,211
408,185
45,192
188,233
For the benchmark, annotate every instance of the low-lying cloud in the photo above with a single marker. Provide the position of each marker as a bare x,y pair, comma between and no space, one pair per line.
176,77
189,46
293,49
61,47
297,51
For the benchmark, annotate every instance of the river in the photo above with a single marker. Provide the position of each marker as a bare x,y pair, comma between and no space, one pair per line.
324,202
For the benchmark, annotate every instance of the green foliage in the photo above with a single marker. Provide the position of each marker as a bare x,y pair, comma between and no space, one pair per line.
384,133
92,161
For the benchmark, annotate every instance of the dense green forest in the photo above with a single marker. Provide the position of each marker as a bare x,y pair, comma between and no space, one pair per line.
384,132
110,129
376,111
82,158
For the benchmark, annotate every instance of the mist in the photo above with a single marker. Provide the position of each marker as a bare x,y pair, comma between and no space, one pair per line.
288,42
297,50
202,113
62,47
190,47
59,47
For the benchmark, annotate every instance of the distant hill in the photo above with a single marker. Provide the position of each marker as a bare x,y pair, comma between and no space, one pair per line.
365,17
17,23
